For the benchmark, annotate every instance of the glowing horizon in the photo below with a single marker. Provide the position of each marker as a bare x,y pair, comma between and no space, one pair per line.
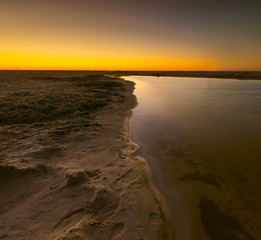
62,35
34,62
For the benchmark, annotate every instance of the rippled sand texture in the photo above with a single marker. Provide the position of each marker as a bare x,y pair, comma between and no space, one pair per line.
67,168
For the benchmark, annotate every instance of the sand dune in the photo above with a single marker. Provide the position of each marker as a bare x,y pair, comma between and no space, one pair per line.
67,167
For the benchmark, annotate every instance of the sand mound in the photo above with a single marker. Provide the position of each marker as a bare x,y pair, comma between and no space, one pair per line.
76,178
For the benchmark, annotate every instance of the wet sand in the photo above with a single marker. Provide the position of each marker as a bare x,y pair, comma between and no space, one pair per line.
67,167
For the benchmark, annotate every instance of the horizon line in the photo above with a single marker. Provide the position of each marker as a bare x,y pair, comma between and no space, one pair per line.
112,70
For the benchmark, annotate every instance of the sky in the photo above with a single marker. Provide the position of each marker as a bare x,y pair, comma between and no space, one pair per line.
130,35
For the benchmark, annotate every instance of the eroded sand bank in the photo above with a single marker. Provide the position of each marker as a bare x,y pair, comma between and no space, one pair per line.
67,167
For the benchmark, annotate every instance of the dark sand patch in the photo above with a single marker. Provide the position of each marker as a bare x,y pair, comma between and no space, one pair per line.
208,178
219,225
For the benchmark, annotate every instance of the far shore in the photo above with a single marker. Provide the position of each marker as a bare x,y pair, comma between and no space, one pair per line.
244,75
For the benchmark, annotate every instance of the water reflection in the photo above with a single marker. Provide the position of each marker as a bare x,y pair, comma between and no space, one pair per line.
204,138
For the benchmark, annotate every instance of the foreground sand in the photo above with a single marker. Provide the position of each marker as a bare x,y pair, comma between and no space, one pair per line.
67,167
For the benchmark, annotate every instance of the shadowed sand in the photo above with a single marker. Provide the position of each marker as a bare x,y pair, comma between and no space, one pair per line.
67,167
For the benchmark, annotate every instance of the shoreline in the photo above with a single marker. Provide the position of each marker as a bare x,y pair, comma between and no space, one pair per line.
179,222
68,167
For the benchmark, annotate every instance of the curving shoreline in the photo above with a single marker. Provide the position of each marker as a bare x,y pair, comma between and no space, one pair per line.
68,168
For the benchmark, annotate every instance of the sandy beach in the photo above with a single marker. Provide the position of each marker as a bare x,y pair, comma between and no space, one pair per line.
67,167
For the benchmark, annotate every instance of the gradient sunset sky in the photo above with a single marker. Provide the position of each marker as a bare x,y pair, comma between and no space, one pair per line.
130,35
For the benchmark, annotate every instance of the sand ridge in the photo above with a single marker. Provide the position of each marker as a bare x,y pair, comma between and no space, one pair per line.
67,167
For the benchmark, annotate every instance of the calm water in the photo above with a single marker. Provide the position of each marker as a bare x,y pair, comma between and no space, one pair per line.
202,140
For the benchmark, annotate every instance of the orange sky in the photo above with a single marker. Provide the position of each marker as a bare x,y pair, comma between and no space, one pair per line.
114,35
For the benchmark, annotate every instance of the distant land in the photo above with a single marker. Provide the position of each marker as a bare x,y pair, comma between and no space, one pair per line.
246,75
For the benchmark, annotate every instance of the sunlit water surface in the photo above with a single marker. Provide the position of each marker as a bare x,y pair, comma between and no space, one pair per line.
202,140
